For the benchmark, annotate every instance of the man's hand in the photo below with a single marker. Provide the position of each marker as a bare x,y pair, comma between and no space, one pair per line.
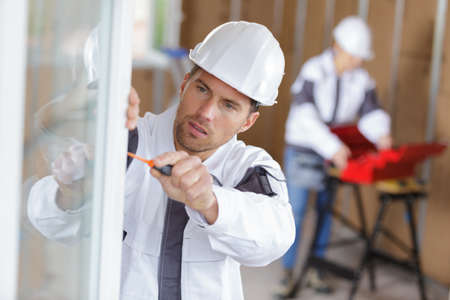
69,170
133,109
385,142
340,157
189,183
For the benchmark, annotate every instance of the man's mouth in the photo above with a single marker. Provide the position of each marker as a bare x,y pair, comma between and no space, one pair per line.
197,128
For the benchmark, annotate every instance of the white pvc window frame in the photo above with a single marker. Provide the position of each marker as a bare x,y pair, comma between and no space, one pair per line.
13,28
111,141
111,146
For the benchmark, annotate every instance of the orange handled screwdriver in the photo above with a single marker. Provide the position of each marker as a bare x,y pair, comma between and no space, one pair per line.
166,170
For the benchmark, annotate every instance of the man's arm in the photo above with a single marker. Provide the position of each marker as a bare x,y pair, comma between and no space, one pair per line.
253,222
306,128
56,204
374,122
54,222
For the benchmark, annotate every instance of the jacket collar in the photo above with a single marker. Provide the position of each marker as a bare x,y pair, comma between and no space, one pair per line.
164,131
328,62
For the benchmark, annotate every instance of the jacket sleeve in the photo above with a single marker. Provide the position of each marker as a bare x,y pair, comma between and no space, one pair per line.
54,223
305,128
252,228
374,122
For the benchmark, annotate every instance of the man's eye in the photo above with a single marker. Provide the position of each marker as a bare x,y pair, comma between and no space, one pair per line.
201,89
229,105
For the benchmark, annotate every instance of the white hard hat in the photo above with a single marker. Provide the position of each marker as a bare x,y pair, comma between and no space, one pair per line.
245,56
353,35
91,57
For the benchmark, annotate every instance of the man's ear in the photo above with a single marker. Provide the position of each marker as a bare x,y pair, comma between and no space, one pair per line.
251,119
183,84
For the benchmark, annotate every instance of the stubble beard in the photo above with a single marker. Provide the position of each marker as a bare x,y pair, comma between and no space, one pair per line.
184,139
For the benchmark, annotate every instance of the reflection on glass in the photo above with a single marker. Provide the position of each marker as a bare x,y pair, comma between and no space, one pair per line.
60,124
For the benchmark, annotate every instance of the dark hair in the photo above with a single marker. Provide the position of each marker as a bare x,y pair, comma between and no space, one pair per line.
194,70
254,105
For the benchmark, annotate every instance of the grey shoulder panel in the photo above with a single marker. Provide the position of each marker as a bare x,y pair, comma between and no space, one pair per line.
255,180
306,94
370,102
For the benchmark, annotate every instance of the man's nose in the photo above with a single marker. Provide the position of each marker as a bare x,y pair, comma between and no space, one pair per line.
208,109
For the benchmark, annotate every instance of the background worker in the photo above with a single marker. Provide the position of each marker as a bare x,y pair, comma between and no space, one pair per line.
225,204
331,89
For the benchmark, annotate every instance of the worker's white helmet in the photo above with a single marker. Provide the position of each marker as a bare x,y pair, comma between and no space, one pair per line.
91,56
245,56
353,35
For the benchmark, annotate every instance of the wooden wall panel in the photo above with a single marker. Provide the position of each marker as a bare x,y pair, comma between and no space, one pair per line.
200,17
418,24
261,134
344,8
284,97
288,29
435,247
141,80
381,20
409,120
314,29
259,11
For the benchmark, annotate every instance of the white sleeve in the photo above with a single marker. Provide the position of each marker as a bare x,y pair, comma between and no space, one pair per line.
304,127
254,229
375,125
48,218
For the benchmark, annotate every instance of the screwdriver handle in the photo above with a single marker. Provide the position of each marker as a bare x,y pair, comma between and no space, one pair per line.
166,170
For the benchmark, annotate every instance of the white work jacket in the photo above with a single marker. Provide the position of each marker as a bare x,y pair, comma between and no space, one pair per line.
252,229
322,99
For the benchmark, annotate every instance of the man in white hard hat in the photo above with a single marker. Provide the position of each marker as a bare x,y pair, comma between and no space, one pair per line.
331,89
225,204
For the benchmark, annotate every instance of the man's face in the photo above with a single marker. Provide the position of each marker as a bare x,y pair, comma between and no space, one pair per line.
210,113
347,61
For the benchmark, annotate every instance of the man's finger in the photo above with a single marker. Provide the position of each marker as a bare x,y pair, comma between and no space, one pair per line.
187,164
132,112
201,186
169,158
133,98
190,177
130,124
155,173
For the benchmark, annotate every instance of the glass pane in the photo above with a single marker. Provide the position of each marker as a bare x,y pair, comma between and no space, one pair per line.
60,127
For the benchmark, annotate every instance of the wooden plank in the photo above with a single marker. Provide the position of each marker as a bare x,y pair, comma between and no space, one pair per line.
381,20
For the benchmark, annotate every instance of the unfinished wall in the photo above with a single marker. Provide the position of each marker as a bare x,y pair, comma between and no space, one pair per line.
410,118
436,245
409,114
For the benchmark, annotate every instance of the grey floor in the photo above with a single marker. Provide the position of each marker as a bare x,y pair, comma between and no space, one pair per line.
392,282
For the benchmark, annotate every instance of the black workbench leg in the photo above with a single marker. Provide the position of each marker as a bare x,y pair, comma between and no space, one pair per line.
415,247
364,233
372,279
309,257
362,215
367,258
311,253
